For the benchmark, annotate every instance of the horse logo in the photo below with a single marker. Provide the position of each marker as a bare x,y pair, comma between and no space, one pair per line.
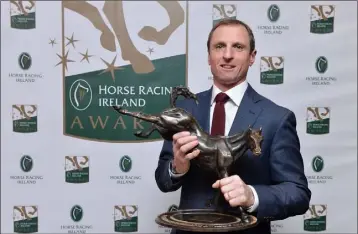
124,54
322,19
272,70
125,218
77,169
25,219
315,219
24,118
22,14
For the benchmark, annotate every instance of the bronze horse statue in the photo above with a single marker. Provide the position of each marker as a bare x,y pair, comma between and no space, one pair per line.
217,153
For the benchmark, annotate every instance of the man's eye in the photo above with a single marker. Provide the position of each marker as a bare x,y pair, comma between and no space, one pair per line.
219,46
239,47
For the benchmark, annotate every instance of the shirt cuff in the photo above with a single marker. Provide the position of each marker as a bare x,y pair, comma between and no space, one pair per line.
172,174
256,200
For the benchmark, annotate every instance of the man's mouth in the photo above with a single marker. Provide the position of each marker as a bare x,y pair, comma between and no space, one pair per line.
227,66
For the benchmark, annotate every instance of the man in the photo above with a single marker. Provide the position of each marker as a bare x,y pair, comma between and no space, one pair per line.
271,186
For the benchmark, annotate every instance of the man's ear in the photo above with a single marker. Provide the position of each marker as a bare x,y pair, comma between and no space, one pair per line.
253,57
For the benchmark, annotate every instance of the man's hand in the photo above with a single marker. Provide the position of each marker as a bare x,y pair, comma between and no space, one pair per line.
182,144
235,191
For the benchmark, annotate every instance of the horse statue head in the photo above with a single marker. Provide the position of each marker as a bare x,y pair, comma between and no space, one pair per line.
181,91
254,139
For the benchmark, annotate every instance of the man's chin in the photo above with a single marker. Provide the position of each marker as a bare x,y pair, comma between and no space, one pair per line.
228,80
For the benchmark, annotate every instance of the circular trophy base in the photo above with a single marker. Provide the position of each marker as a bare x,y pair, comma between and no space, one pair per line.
204,220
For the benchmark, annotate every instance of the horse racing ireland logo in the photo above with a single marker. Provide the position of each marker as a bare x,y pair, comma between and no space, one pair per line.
120,59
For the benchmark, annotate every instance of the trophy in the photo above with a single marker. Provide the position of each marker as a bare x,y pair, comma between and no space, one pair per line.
217,154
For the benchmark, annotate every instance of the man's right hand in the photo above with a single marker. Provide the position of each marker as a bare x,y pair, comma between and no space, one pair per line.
183,142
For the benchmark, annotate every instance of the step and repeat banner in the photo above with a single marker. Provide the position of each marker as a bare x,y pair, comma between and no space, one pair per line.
71,164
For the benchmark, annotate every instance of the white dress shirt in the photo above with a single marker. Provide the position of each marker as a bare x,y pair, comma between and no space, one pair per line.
231,106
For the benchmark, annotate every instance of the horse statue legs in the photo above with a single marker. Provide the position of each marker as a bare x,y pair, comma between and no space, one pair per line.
219,199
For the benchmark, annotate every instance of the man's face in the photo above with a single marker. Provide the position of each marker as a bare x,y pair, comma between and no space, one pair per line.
229,56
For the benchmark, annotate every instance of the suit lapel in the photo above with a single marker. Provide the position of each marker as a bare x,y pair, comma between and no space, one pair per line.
202,112
247,112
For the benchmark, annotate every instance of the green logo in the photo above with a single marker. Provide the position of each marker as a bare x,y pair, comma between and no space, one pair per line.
322,19
321,64
223,11
173,208
25,219
317,163
80,95
128,75
272,70
24,118
318,120
76,213
77,169
315,219
22,14
126,218
25,61
26,163
273,13
125,163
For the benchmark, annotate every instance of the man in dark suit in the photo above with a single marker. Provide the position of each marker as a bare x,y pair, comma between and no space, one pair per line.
271,186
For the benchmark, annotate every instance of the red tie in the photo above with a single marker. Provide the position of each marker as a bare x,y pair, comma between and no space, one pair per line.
218,123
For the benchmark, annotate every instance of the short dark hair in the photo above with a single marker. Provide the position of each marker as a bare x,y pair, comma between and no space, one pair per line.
232,22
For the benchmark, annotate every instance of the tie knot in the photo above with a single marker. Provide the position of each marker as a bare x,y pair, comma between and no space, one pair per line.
221,97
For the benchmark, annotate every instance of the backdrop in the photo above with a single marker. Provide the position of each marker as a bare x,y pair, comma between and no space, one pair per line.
70,164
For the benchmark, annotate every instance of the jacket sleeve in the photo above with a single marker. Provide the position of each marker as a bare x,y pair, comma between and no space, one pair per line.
162,177
164,181
289,194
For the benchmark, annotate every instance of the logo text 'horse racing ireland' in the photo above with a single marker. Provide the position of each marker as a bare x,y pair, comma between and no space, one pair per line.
138,74
317,177
78,225
273,26
323,76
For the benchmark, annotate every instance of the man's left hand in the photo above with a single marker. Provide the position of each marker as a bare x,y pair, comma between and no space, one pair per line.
235,191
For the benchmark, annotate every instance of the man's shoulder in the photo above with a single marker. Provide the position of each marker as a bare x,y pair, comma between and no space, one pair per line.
272,108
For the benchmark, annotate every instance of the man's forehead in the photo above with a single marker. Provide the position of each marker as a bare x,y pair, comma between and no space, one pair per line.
231,34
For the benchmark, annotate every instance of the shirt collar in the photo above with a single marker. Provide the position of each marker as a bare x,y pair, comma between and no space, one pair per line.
236,93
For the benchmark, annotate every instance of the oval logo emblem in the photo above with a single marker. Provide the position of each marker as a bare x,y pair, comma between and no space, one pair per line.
317,164
80,94
25,61
26,163
321,64
273,13
76,213
125,163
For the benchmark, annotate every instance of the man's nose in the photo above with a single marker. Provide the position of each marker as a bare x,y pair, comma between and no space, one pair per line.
228,54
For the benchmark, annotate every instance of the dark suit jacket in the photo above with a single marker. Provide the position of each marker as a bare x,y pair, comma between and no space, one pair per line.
277,174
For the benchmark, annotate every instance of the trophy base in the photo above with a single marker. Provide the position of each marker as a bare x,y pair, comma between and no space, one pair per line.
204,220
